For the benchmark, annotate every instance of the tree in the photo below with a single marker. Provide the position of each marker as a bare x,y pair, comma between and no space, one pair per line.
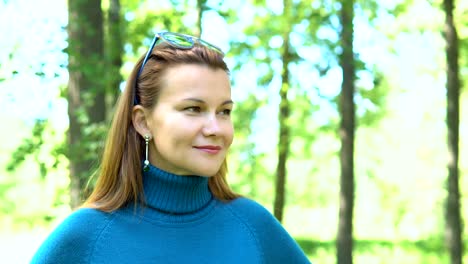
344,241
201,7
86,91
114,43
283,116
453,228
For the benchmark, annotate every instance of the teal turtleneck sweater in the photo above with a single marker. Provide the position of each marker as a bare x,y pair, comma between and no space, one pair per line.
181,222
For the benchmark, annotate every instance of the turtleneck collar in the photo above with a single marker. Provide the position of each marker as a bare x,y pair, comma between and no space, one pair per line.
175,194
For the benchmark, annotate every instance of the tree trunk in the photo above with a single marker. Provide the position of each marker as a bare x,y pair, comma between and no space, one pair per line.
115,50
201,5
283,118
346,133
86,104
453,227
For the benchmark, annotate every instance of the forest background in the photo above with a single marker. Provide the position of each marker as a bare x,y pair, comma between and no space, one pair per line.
401,151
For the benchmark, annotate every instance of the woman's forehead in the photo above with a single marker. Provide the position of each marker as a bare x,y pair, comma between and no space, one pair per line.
191,79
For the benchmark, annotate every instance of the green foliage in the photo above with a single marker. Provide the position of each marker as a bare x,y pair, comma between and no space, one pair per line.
23,165
143,23
7,206
372,108
461,21
32,146
305,130
142,27
243,155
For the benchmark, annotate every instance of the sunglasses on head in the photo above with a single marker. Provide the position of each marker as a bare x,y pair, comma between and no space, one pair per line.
176,40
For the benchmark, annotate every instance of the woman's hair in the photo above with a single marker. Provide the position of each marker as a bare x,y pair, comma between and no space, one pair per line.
120,179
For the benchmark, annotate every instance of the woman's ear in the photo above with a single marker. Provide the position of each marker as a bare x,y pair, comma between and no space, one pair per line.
140,121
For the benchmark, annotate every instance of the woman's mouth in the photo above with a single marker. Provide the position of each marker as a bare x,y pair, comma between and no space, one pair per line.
209,149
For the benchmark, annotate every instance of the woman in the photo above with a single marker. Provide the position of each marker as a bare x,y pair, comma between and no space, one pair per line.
162,195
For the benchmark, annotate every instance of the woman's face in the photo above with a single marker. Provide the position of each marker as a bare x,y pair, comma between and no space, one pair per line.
191,124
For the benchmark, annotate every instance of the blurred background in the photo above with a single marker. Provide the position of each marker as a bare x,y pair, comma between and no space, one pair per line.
349,115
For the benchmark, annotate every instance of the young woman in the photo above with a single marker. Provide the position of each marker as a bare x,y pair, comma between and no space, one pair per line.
162,195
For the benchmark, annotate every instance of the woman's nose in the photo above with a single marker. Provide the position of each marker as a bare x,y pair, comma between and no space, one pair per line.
211,126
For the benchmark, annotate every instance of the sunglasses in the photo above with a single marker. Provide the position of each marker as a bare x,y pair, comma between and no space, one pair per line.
176,40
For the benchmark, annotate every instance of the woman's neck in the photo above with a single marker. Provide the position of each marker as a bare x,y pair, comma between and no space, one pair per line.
175,194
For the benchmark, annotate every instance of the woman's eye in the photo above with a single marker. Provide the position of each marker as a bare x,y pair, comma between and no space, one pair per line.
226,112
194,109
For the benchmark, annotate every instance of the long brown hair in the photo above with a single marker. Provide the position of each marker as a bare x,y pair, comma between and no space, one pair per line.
120,178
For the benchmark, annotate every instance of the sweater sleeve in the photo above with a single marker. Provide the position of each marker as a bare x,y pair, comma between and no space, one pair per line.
73,240
276,243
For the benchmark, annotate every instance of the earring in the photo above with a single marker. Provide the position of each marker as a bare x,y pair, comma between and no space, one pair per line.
146,162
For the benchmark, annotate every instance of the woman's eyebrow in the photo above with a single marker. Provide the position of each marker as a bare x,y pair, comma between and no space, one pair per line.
203,102
195,100
227,102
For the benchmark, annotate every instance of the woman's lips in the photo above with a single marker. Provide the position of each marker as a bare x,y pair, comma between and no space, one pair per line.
209,149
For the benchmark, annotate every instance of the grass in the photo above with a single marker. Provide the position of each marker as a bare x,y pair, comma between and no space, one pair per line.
380,251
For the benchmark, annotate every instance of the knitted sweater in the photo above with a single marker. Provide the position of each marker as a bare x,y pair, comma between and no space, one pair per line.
181,223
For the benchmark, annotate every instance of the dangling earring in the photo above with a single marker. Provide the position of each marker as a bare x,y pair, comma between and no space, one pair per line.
146,162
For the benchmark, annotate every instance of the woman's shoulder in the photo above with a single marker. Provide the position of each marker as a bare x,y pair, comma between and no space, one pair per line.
73,239
87,214
250,209
81,223
277,244
255,216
